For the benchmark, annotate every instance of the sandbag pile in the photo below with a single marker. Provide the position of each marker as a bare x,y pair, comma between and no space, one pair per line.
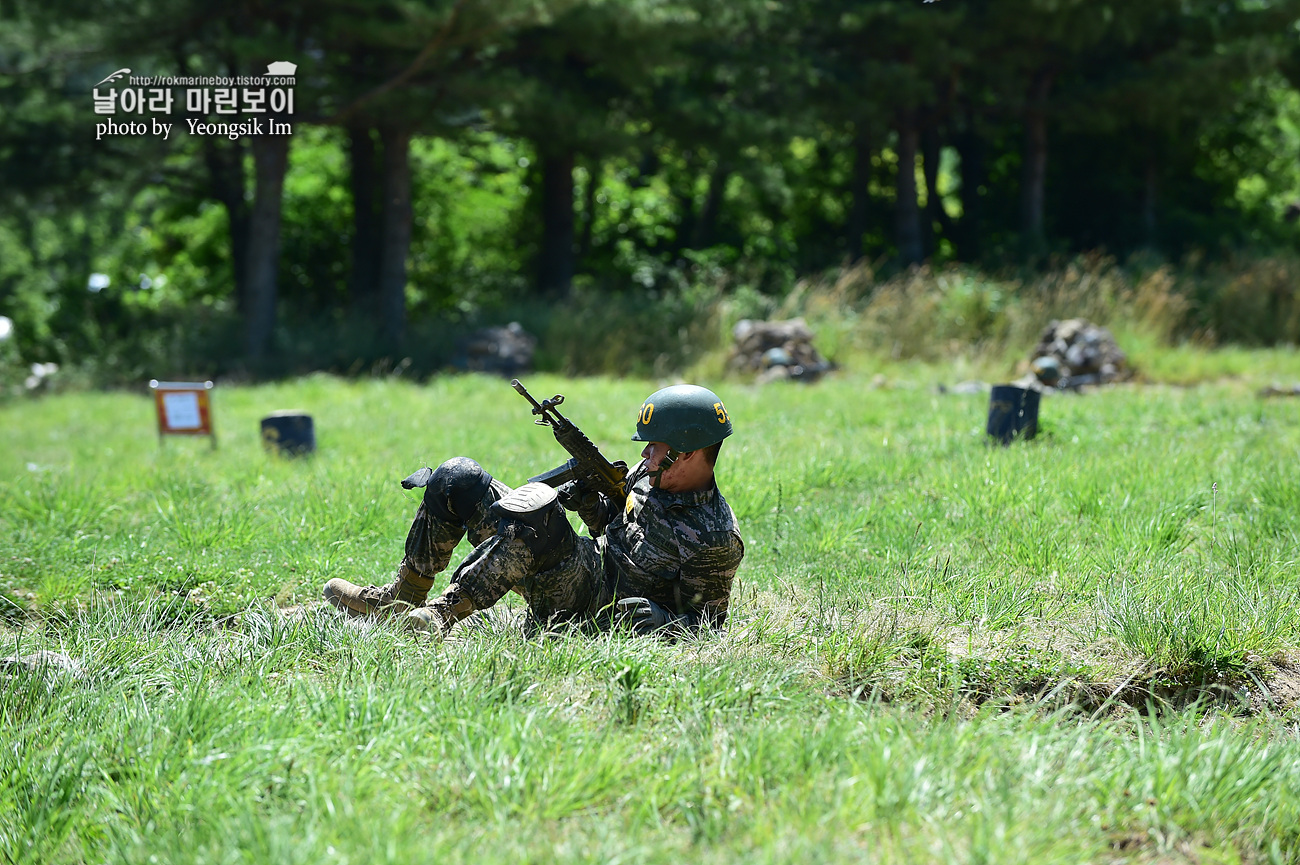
504,351
1085,352
776,350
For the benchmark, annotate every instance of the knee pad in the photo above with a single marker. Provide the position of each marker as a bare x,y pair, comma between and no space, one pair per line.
533,514
455,488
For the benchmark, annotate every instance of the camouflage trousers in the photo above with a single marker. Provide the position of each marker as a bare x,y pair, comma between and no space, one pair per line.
560,581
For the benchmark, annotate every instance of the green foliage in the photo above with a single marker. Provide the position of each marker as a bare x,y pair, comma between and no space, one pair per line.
469,194
720,150
637,332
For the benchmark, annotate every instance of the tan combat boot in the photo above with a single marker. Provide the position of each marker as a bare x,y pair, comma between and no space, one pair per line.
437,616
408,589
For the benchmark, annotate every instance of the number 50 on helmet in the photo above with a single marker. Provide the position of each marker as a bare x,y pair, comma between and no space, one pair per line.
686,417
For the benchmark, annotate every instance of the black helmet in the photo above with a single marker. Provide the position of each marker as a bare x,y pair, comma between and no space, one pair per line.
686,417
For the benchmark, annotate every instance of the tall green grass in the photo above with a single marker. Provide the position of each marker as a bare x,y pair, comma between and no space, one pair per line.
985,324
933,648
314,741
981,323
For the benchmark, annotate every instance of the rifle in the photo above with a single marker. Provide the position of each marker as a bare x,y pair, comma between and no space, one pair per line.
588,466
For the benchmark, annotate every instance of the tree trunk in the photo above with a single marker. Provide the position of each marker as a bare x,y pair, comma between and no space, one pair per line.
909,213
1034,170
859,193
706,222
226,179
555,262
396,240
225,165
647,168
972,152
366,217
270,161
684,194
1150,188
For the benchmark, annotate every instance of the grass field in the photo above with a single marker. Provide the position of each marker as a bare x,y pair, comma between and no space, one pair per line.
1073,649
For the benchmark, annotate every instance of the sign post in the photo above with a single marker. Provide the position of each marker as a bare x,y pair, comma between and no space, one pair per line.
183,409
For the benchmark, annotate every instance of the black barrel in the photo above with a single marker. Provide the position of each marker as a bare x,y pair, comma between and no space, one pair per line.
289,433
1013,413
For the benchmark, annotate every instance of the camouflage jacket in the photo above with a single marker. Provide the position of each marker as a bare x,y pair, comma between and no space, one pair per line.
679,550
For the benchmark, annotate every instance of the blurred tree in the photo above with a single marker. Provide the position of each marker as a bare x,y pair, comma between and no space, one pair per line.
64,192
203,37
864,70
1019,50
747,140
398,70
1145,111
232,39
580,85
727,95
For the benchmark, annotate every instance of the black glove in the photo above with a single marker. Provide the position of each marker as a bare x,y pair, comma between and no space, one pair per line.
645,616
589,505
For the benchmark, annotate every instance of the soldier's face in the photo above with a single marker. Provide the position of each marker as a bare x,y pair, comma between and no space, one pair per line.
653,454
690,472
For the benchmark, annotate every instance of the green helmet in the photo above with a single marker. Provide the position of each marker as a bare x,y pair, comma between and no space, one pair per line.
1047,369
686,417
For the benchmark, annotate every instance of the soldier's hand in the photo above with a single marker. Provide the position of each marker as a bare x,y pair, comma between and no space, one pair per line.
645,616
570,494
585,503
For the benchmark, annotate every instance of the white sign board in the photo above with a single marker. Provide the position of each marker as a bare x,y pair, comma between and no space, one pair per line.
182,410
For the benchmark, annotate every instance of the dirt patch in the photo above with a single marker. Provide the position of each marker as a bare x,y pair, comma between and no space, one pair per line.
1018,681
1279,688
1049,665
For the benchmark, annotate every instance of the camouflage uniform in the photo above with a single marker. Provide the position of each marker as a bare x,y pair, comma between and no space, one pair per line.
678,550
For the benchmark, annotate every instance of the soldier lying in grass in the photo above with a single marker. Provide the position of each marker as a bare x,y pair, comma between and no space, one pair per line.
663,560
